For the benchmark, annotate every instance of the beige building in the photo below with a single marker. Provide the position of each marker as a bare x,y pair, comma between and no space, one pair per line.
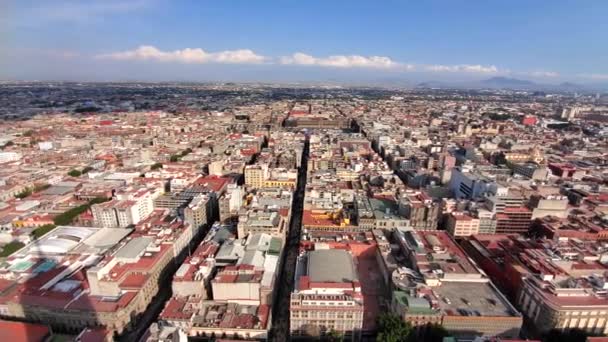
460,225
256,175
239,284
561,304
327,296
199,211
261,221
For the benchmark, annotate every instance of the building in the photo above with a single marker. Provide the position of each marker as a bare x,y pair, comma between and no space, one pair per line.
487,222
6,157
194,275
556,283
199,211
421,210
498,203
20,331
256,175
549,205
460,224
126,209
529,120
513,220
261,221
564,303
230,202
78,277
226,287
440,284
327,296
470,185
530,170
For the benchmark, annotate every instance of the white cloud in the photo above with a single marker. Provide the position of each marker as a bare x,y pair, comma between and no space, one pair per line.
187,55
463,68
544,74
343,61
600,77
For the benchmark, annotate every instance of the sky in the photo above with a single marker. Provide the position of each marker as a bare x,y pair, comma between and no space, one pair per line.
546,41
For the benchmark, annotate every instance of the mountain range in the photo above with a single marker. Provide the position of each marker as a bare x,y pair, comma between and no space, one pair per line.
501,82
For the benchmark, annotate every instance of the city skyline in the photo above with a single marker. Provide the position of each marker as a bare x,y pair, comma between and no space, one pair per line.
357,42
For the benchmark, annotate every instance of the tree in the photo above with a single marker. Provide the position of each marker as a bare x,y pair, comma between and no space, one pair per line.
334,336
40,231
67,217
74,173
41,187
23,194
391,328
86,170
500,159
186,152
10,248
433,333
174,158
156,166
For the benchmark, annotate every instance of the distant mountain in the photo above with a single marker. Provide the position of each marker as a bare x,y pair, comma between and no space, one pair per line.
506,82
434,84
570,85
501,82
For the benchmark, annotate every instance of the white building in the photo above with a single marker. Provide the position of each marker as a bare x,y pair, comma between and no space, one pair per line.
127,209
6,157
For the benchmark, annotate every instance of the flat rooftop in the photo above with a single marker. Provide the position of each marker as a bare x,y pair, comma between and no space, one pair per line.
472,299
331,266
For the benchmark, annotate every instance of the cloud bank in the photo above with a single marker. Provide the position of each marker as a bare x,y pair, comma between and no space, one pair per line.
341,61
187,55
546,74
600,77
463,68
247,56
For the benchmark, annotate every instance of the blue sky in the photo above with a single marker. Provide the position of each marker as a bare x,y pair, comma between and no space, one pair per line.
547,41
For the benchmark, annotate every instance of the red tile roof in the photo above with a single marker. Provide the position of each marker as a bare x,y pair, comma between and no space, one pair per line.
23,332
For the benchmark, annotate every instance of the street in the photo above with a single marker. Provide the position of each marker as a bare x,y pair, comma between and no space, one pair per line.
280,315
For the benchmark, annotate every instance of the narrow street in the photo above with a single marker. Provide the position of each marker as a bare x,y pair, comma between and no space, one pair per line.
155,307
280,314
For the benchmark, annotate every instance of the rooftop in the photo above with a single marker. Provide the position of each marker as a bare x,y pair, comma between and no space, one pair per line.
331,266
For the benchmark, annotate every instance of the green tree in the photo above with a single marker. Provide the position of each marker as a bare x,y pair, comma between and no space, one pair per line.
23,194
67,217
186,152
156,166
41,187
174,158
40,231
391,328
74,173
86,170
10,248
